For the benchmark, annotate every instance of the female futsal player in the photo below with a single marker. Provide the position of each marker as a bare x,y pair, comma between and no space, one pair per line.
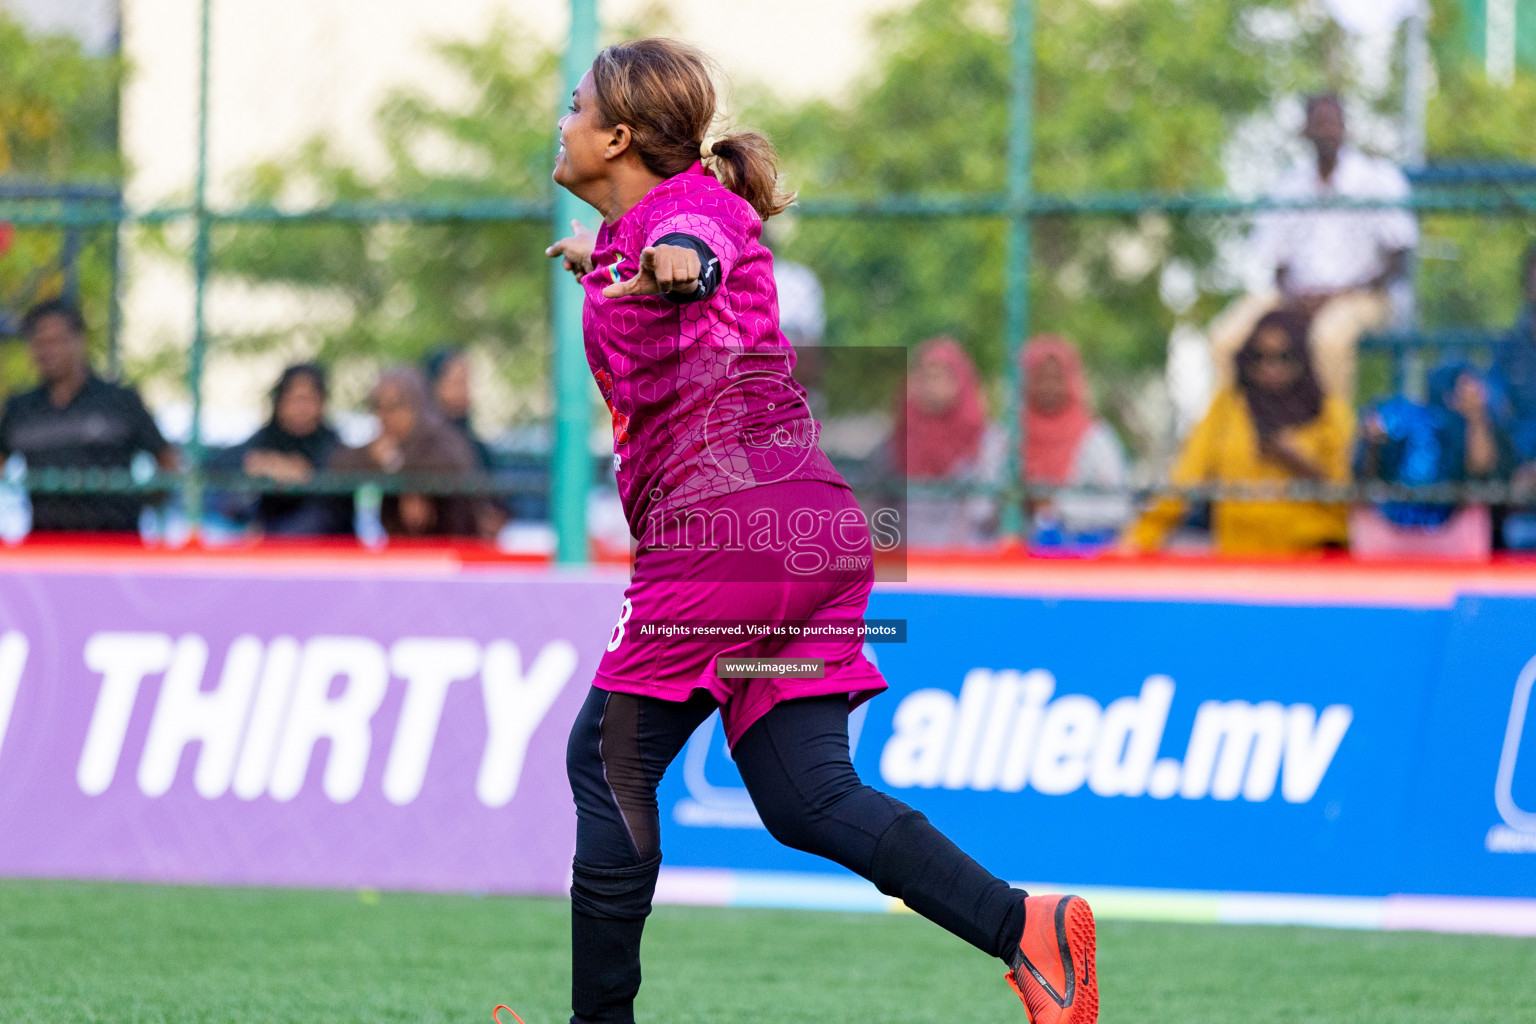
739,517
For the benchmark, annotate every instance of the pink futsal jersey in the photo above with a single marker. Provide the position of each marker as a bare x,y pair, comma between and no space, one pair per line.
701,394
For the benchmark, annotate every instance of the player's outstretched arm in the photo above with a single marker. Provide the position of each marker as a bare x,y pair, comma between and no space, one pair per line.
576,248
670,269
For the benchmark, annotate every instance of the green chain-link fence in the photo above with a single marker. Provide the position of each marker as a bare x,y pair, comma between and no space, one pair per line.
1017,226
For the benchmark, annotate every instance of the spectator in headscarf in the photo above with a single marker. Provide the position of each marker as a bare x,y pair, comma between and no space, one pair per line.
941,436
1066,445
1274,426
414,439
447,370
294,444
943,417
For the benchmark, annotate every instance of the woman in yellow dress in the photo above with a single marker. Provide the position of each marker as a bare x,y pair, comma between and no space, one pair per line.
1273,426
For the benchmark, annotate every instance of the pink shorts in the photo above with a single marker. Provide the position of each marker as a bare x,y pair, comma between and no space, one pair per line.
745,578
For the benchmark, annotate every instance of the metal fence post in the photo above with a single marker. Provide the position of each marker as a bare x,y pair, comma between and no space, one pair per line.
1416,71
1021,101
69,261
200,268
115,298
571,470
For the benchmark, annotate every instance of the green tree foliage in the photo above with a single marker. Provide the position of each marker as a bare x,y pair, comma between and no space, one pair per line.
391,291
1136,95
1470,270
1129,96
58,107
58,123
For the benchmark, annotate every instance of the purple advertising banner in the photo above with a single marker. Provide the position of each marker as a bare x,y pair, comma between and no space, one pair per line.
381,731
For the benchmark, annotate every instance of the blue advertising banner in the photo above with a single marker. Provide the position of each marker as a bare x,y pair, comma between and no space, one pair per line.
1471,827
1365,761
1337,751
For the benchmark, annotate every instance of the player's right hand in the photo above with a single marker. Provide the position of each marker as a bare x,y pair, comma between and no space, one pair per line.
576,248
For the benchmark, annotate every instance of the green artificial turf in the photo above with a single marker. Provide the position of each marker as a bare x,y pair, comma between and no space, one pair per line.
127,954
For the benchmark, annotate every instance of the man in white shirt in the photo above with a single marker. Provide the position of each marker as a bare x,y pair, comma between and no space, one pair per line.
1334,265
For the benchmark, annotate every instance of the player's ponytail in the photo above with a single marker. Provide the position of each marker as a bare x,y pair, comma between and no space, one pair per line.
746,164
664,91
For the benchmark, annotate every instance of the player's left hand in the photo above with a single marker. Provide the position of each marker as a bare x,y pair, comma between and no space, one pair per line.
663,268
576,248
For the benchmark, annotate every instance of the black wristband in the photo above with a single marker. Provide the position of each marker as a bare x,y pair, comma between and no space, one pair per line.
709,268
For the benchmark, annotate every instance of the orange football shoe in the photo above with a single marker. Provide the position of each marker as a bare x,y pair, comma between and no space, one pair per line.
1054,971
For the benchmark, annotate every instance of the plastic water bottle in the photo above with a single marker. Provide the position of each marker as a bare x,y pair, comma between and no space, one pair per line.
15,505
142,467
176,524
151,527
366,523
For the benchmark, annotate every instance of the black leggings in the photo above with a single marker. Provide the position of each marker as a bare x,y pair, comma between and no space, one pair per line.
794,761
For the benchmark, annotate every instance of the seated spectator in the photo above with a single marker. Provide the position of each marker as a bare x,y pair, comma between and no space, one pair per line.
414,439
1333,266
1515,368
295,443
448,379
1066,445
1275,426
76,420
1451,439
1515,371
941,437
447,371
